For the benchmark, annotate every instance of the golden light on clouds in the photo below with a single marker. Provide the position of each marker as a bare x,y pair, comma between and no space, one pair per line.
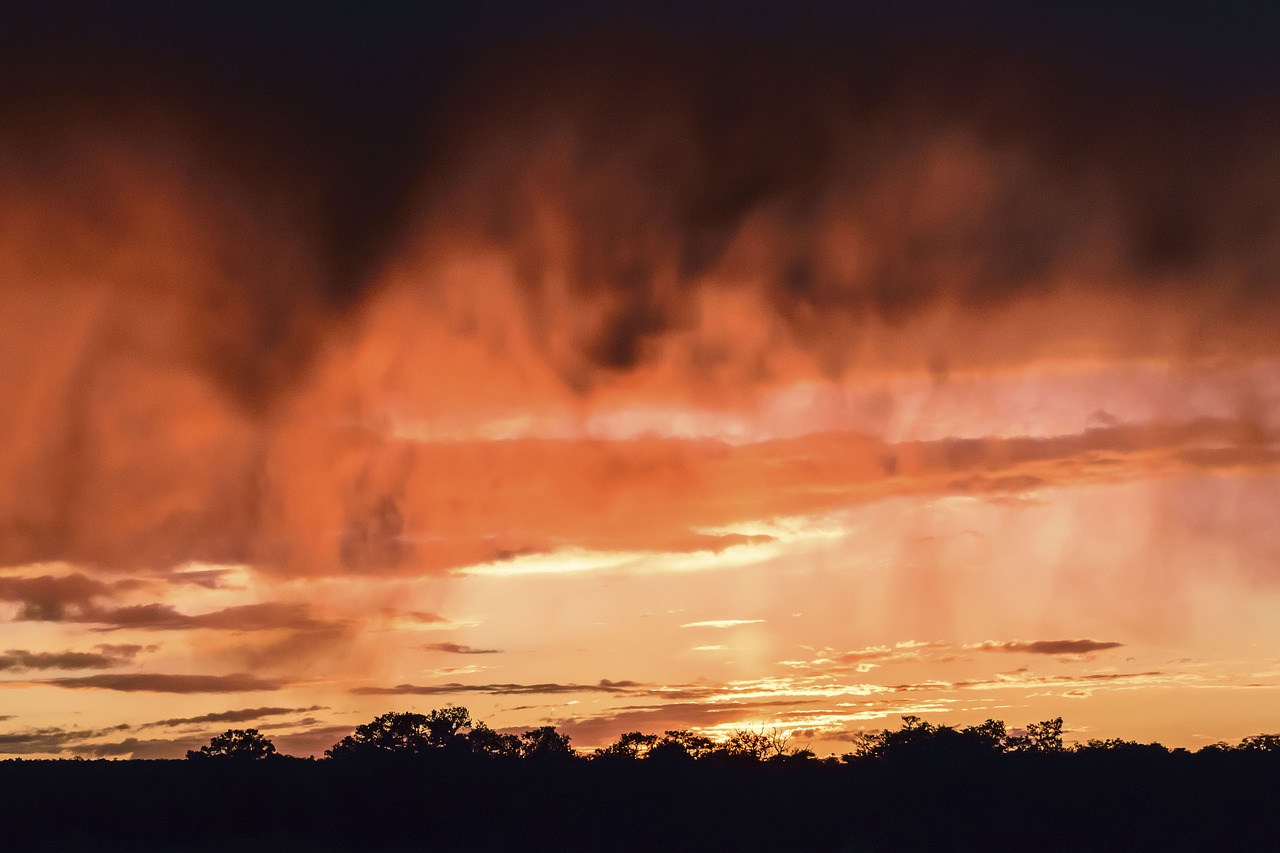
679,399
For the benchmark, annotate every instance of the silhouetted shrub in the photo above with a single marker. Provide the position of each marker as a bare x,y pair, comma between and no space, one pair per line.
237,744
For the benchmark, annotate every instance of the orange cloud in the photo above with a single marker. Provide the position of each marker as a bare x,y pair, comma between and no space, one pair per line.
580,311
198,368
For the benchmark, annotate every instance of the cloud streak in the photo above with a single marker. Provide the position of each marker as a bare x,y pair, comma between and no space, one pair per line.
1047,647
51,597
721,623
455,688
647,241
107,656
154,682
242,715
51,739
460,649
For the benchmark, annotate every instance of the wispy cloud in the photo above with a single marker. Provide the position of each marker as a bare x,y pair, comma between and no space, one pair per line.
460,649
864,660
51,739
1026,679
418,620
106,657
1046,647
139,748
51,597
721,623
453,688
151,682
242,715
264,616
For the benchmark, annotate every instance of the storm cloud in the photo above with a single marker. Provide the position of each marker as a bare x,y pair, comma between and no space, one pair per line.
205,369
856,324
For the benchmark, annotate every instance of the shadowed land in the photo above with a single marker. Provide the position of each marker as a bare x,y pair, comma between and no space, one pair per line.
396,784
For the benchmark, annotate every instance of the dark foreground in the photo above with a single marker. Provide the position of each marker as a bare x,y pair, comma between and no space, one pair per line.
1062,801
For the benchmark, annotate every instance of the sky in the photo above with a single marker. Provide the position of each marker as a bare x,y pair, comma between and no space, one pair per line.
733,367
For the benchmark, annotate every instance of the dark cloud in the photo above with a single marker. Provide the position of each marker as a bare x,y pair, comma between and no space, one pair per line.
51,739
199,208
373,536
451,688
956,177
207,578
106,657
241,715
125,650
56,740
1048,647
267,616
459,649
261,617
146,616
166,683
304,647
51,598
419,616
1024,678
140,749
993,455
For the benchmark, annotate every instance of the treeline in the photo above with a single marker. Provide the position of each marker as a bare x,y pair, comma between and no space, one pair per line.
451,732
441,781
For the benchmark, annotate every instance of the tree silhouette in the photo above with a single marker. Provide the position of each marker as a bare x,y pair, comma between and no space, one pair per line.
992,734
1121,747
682,744
545,742
628,746
914,736
1260,743
238,744
1044,736
485,741
920,786
746,745
917,739
444,724
393,733
1218,747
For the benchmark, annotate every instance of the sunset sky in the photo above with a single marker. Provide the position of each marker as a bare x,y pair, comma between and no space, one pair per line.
715,369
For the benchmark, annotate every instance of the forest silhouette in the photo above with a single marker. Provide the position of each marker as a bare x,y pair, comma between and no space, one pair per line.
443,781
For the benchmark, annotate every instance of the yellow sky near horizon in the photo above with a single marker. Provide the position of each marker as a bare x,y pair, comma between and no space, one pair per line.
1120,576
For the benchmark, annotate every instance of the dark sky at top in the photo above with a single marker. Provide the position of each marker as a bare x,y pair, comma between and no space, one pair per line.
1228,44
352,112
346,89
